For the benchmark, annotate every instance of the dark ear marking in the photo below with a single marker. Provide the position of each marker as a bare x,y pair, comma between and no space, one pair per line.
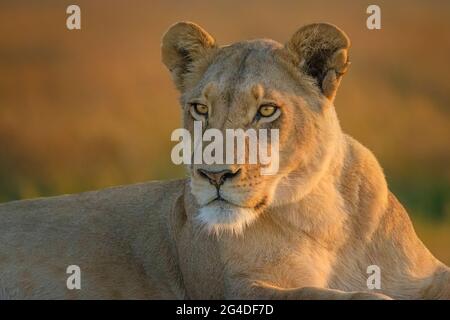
321,50
315,64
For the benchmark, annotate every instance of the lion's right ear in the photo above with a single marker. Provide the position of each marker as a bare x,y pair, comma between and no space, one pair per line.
321,51
184,45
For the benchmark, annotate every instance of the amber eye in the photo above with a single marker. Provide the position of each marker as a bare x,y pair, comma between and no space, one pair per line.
200,109
267,110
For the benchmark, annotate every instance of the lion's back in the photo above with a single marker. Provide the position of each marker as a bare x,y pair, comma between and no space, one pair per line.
135,196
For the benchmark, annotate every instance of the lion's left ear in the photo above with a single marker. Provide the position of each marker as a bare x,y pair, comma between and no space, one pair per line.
321,51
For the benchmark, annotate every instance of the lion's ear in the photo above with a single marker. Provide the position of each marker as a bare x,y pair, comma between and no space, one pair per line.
183,45
321,51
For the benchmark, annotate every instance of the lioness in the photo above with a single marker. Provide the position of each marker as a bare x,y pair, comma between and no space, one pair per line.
308,232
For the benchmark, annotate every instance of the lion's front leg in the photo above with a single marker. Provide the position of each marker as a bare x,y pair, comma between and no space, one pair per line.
261,290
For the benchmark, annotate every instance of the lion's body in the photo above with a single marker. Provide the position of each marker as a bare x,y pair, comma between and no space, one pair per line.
309,232
118,237
139,241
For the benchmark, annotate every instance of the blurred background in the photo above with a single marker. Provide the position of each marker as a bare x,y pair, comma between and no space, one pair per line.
92,108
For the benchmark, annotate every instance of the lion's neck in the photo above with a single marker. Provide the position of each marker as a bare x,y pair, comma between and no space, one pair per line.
345,190
313,204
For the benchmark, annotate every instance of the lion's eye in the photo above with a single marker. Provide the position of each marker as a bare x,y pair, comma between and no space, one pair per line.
267,110
200,109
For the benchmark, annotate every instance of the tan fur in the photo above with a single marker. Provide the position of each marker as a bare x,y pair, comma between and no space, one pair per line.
317,224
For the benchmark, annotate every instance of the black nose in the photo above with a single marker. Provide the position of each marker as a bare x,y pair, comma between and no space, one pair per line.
217,178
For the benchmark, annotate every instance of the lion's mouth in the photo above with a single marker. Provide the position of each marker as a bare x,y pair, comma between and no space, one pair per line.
219,199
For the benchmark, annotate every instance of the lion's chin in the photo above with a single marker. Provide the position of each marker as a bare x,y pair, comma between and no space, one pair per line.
221,217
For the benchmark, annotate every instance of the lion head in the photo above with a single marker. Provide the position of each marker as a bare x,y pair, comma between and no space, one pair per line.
259,84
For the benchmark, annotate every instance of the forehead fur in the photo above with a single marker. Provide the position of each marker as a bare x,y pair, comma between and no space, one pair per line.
242,65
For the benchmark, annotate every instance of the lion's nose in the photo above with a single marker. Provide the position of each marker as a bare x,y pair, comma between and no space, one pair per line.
217,178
